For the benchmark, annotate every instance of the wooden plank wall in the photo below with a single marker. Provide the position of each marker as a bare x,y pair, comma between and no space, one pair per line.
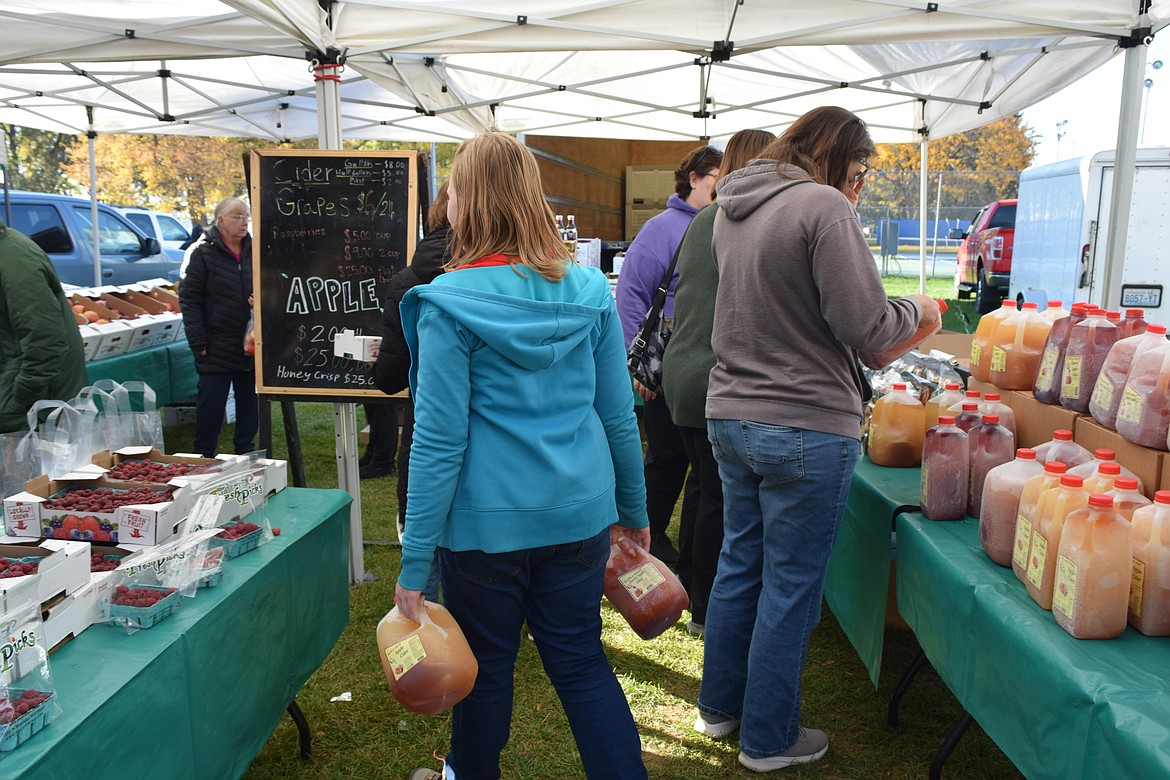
586,176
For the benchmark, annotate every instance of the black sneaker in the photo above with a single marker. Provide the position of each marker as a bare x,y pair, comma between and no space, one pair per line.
374,470
662,549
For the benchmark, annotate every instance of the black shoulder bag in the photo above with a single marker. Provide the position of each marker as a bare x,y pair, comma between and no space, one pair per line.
644,357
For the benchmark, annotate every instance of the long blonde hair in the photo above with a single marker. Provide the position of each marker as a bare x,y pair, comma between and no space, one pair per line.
501,207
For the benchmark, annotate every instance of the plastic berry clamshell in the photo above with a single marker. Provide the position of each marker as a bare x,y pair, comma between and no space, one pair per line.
23,727
212,568
147,616
233,548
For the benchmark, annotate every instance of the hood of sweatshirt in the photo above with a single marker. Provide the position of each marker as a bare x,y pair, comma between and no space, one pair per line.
534,331
745,190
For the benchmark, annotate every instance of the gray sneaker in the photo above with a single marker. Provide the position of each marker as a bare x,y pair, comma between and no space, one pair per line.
715,726
811,746
424,774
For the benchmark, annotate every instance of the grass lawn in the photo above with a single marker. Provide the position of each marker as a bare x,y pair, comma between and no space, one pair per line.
371,736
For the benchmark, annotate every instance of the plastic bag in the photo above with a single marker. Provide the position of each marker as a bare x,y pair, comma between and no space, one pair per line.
18,461
236,504
149,588
115,425
65,440
28,698
147,419
250,336
641,587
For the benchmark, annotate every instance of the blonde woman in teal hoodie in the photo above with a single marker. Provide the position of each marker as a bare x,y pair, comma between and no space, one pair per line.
526,460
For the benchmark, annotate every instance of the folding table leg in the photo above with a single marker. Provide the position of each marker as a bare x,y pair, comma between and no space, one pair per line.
948,745
306,738
903,686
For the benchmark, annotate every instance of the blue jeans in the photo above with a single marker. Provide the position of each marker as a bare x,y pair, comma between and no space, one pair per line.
209,411
557,590
784,493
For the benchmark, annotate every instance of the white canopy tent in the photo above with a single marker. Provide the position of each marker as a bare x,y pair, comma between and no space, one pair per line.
641,69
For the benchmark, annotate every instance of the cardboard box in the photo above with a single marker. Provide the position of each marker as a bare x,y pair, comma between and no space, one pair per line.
64,618
1144,462
983,387
166,297
62,569
141,300
1164,480
91,340
348,344
91,306
637,216
957,344
25,514
107,460
167,327
1035,421
115,338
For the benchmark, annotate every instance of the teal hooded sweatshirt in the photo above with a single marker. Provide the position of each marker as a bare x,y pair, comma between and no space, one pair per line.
524,432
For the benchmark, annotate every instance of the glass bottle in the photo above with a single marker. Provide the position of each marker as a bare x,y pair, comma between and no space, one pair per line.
1093,571
1046,388
945,461
1107,392
1001,504
991,445
1088,345
896,429
1055,506
1149,591
1026,519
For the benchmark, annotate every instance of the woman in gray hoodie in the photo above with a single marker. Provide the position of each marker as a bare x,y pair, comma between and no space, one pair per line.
799,297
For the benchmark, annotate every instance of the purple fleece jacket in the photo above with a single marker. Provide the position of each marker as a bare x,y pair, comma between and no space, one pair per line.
646,262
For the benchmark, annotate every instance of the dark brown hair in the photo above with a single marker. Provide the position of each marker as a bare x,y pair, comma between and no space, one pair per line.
437,213
823,142
700,161
742,148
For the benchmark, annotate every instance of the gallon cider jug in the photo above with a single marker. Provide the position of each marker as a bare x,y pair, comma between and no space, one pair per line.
991,445
1026,519
428,664
1046,388
1094,566
1088,345
646,593
984,337
1055,506
945,462
1149,590
1107,392
1016,348
1001,504
896,429
1062,448
951,394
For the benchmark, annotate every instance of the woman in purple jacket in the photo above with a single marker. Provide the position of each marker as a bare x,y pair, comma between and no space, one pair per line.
665,463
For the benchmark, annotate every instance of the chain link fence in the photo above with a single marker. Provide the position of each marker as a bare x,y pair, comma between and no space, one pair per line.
889,212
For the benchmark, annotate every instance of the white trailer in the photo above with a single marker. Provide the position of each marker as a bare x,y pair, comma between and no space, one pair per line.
1062,225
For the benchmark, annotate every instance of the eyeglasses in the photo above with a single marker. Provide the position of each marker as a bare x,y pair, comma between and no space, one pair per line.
239,217
861,175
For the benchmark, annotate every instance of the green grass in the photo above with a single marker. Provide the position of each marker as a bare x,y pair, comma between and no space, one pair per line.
371,736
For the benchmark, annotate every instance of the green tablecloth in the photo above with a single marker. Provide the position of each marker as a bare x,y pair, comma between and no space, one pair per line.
858,578
1058,707
168,368
198,695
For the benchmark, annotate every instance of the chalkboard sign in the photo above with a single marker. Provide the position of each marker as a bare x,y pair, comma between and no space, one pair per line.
330,229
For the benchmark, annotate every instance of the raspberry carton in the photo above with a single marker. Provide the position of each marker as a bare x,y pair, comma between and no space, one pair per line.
94,509
151,466
60,568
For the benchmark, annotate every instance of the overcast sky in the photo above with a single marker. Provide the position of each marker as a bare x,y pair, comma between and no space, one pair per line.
1091,107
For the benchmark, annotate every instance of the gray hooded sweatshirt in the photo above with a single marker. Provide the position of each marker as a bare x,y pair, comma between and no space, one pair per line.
799,295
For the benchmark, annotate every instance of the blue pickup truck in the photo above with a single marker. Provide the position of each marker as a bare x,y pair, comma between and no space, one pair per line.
63,227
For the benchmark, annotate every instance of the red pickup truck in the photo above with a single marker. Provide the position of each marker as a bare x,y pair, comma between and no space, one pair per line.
985,254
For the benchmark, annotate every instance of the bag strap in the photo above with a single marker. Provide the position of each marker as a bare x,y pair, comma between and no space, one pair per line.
659,301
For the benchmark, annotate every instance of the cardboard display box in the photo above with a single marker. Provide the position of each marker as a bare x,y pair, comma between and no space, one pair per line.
108,460
115,338
62,569
1147,464
957,344
25,514
91,340
1035,421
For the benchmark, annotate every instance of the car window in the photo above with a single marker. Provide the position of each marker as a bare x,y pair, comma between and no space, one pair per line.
172,229
115,237
142,222
43,225
1004,217
975,222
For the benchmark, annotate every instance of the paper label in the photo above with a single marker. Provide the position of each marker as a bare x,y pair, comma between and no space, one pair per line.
1136,583
1047,371
1070,385
1103,392
1064,592
1037,559
1023,542
640,581
1130,408
922,486
405,655
975,350
998,359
